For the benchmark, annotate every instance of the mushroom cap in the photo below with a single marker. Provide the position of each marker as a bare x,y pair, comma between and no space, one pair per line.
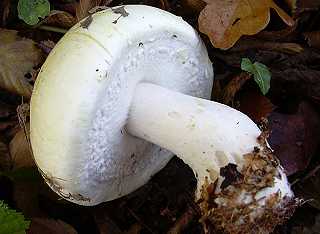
81,99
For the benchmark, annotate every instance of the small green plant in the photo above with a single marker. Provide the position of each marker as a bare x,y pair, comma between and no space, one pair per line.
31,10
260,72
12,222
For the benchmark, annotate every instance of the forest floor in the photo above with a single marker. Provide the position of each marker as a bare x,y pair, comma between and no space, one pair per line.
288,47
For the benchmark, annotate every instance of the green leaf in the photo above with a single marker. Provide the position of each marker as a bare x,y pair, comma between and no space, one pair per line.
11,222
261,73
31,10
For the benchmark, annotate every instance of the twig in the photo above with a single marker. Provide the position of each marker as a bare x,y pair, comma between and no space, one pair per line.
52,29
247,44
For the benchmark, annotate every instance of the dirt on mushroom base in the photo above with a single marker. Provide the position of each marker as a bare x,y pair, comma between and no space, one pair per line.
232,217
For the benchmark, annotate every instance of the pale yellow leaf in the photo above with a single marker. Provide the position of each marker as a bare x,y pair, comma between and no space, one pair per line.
226,21
82,10
18,57
20,150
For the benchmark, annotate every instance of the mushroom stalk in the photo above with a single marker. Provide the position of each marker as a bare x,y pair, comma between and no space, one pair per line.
217,142
206,135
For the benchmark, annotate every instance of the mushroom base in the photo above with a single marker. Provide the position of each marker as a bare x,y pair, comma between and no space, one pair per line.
222,219
241,205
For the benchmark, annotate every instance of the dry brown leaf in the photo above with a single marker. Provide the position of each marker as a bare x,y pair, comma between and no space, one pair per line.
82,9
134,229
47,46
191,7
228,93
216,90
6,110
104,223
4,11
308,188
20,150
245,44
295,137
307,5
7,124
226,21
60,19
255,105
26,198
164,5
50,226
299,6
313,39
68,6
312,229
5,162
18,57
292,4
183,221
284,35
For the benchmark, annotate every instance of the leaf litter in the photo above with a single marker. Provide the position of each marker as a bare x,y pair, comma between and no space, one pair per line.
18,57
248,29
226,21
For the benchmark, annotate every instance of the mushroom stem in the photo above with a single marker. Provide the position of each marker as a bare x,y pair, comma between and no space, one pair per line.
206,135
241,187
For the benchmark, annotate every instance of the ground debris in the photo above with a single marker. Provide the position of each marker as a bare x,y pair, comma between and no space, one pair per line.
295,137
223,212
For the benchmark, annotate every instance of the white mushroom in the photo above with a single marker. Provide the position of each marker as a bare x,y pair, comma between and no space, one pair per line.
123,83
